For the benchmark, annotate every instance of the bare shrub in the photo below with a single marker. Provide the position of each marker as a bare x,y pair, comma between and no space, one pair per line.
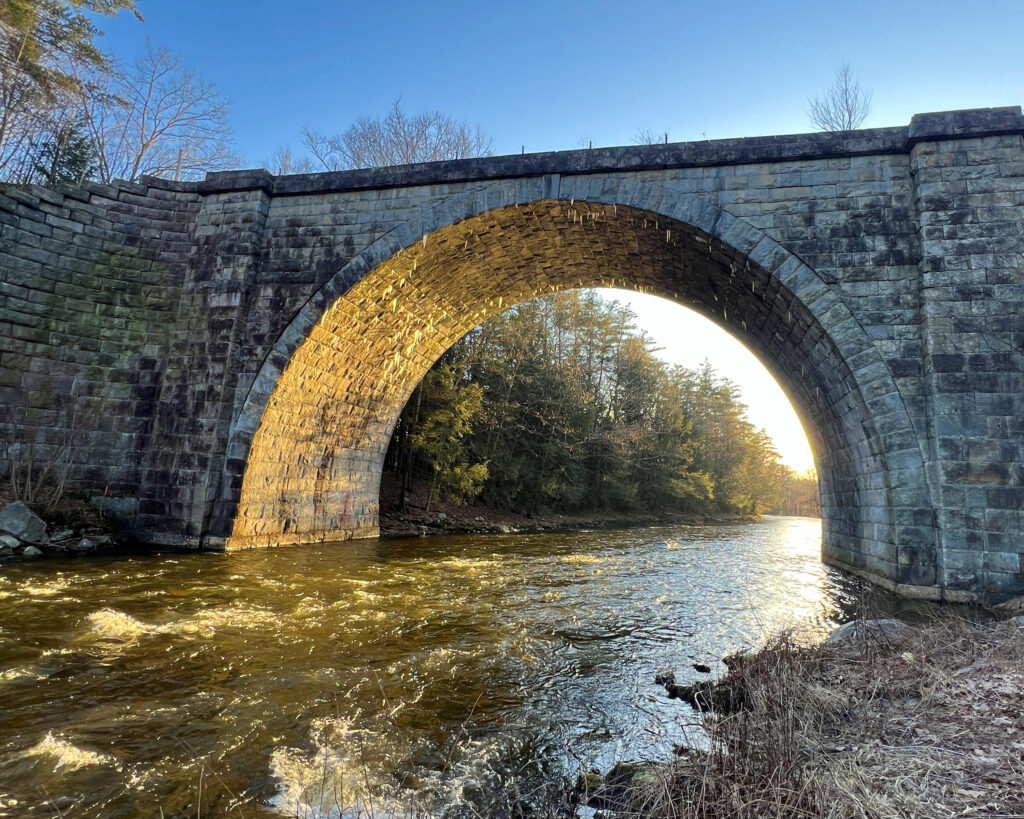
38,461
927,726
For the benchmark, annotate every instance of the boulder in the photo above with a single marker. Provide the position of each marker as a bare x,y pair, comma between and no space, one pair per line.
1013,604
18,520
627,786
885,631
84,545
31,551
724,697
8,542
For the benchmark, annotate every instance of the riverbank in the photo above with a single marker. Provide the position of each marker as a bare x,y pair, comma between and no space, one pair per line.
477,518
926,723
75,525
70,526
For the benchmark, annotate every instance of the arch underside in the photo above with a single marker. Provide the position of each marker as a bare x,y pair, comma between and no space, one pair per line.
314,465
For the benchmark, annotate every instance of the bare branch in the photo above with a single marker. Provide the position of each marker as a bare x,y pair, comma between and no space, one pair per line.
648,136
843,106
283,162
397,139
160,118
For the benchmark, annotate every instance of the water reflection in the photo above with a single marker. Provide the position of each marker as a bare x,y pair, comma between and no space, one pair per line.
405,671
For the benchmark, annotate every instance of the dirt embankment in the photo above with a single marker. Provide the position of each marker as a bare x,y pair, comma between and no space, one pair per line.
477,518
928,723
68,524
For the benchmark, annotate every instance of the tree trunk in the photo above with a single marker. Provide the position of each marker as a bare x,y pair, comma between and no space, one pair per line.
406,477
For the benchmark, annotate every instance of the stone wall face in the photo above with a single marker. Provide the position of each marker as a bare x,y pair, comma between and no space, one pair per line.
970,206
90,284
250,340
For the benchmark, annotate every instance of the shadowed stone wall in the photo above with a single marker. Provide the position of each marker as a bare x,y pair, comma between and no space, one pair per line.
245,344
90,292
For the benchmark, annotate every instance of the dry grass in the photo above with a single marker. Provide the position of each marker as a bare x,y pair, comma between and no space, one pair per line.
854,731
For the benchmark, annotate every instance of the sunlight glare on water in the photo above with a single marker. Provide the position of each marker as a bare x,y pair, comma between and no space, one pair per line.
416,674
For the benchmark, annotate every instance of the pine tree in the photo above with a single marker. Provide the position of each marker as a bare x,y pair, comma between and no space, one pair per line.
68,155
45,46
562,405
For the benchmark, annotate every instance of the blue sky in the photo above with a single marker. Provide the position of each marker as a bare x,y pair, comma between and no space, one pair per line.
547,74
555,75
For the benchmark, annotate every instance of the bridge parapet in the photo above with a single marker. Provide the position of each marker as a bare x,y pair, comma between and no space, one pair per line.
936,127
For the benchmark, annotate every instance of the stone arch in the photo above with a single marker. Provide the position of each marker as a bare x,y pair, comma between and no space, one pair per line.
314,427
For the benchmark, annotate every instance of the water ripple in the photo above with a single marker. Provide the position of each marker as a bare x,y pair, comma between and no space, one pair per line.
412,673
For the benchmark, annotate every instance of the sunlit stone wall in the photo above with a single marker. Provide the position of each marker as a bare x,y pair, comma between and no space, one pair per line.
877,273
314,467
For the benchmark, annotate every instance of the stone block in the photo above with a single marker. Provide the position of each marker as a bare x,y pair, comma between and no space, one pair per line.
17,520
1005,562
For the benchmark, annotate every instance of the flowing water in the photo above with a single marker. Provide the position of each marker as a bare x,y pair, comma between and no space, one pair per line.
384,677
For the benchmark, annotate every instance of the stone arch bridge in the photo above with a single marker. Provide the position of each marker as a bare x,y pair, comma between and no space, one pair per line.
224,361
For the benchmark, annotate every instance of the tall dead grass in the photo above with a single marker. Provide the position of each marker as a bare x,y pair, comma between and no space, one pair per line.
931,725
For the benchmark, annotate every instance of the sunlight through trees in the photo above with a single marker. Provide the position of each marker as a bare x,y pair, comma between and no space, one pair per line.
561,404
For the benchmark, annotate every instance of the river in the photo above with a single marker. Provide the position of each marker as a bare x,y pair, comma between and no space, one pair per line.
392,676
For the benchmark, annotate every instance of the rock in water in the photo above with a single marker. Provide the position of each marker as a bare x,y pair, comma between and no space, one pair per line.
664,676
30,551
17,519
862,630
622,789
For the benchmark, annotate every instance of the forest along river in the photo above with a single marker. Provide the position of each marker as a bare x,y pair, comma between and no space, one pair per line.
389,674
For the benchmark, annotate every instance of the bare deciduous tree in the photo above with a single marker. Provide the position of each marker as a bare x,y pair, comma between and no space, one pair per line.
283,162
648,136
159,118
397,139
843,106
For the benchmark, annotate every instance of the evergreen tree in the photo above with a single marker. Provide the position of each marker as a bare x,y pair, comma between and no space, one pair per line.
444,412
44,44
798,494
561,404
67,155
